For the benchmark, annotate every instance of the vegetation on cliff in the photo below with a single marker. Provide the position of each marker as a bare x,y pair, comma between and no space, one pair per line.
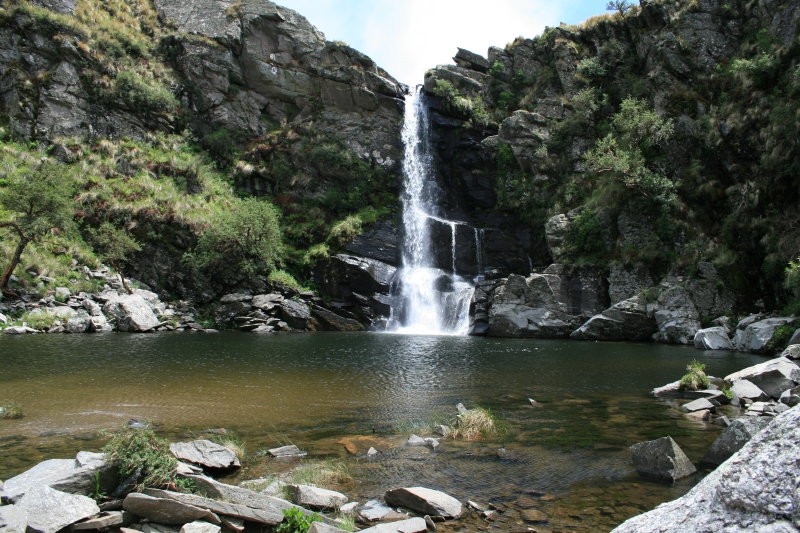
664,132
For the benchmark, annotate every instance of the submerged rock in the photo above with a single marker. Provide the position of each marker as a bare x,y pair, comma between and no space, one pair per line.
661,459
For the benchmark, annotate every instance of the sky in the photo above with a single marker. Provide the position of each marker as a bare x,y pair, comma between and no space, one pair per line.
407,37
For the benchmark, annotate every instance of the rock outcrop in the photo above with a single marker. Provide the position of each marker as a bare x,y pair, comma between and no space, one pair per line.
754,490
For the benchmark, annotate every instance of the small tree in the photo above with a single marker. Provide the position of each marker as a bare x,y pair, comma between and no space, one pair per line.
620,6
114,246
34,203
629,155
240,242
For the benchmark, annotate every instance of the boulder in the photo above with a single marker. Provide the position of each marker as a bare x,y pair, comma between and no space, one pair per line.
235,298
410,525
791,397
166,510
791,352
316,498
773,376
199,526
471,60
266,301
295,313
715,338
75,476
335,322
629,319
757,336
13,519
265,500
733,438
661,459
51,510
80,322
529,307
375,511
676,315
19,330
754,490
206,454
131,312
745,389
426,501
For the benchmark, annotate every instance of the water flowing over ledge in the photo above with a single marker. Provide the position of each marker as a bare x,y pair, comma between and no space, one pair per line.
431,300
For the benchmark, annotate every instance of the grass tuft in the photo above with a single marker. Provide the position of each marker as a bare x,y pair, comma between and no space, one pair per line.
142,451
322,473
695,377
477,423
11,411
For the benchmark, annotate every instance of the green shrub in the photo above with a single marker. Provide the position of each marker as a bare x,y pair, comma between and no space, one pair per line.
780,338
497,69
142,94
345,230
11,410
41,320
695,377
141,450
241,241
319,253
282,277
591,69
296,521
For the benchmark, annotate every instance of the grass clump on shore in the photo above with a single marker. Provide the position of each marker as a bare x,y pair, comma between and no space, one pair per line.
11,411
233,443
141,451
296,521
695,377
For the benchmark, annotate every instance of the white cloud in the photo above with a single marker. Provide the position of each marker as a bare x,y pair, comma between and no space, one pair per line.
412,36
408,37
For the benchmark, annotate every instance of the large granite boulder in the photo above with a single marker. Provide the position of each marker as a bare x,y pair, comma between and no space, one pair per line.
51,510
733,438
131,312
757,336
630,319
661,459
74,476
773,376
13,519
754,490
166,510
295,313
360,285
423,500
715,338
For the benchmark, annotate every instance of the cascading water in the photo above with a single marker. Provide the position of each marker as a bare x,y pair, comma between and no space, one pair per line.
431,301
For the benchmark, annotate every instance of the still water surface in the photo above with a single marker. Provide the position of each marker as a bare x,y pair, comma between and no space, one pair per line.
568,458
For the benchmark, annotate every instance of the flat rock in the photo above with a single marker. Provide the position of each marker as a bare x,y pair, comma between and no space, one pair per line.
322,527
773,376
375,511
732,438
416,440
74,476
700,404
316,498
166,510
661,459
13,519
754,490
259,516
744,388
206,454
199,526
103,520
533,515
287,451
426,501
51,510
411,525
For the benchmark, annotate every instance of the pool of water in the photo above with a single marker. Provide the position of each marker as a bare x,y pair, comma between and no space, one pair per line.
567,458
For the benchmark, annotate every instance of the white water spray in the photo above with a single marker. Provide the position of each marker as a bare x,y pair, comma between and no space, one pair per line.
432,301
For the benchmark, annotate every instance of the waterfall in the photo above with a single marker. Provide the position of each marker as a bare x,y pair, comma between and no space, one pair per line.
431,300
